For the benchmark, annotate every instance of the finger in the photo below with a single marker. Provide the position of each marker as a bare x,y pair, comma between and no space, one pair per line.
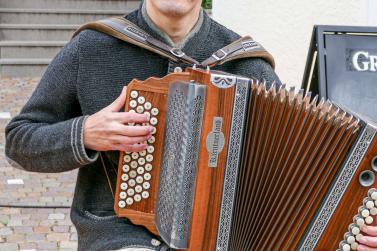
130,117
125,140
369,241
135,131
362,247
119,102
131,148
370,230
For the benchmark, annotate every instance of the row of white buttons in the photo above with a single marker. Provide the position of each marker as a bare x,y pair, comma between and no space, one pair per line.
137,198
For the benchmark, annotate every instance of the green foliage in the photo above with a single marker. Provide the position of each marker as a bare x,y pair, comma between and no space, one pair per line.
207,4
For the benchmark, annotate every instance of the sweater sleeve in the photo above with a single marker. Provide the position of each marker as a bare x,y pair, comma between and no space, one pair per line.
47,135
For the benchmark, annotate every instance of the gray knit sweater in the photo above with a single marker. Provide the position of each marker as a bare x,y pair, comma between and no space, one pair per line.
87,75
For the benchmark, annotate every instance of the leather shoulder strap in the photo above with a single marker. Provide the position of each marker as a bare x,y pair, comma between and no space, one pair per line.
125,30
244,47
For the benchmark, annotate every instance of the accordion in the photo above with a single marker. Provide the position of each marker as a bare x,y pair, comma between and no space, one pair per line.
234,165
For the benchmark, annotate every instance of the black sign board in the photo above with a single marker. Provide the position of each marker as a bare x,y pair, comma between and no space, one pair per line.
342,66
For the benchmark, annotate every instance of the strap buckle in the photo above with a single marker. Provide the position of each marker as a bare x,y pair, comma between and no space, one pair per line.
219,55
177,52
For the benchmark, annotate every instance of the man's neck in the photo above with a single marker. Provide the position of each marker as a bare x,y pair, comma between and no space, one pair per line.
176,27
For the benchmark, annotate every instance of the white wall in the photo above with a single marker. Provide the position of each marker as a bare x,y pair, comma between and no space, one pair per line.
284,27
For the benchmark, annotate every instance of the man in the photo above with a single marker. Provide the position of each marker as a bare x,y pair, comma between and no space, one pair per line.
72,115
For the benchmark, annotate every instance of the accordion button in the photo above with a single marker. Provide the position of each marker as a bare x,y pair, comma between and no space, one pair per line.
359,221
354,246
131,182
125,177
129,201
344,246
122,195
123,186
133,164
147,176
126,168
154,111
148,167
150,149
372,193
145,195
132,174
140,170
369,220
130,192
138,189
355,230
139,179
373,211
137,197
121,204
155,242
127,158
368,203
143,153
147,105
153,121
350,238
134,94
133,103
154,130
146,185
358,237
135,155
141,100
151,140
141,161
149,158
140,109
364,212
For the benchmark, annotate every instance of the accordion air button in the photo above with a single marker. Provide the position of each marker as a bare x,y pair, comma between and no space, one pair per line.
133,103
359,221
122,195
372,193
149,157
138,189
344,246
135,155
134,94
140,109
145,195
373,211
127,158
141,161
131,183
369,220
140,170
154,111
129,201
151,140
139,179
364,212
123,186
141,100
125,177
146,185
148,167
121,204
132,174
147,176
130,192
153,121
126,169
143,153
354,229
133,164
368,203
354,246
349,238
147,105
137,197
150,149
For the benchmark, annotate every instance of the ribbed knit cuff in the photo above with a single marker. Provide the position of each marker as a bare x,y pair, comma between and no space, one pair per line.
77,142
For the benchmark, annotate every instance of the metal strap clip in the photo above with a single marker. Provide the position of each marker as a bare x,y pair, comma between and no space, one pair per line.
177,52
218,56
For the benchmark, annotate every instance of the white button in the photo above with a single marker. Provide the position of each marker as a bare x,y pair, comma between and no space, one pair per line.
373,211
133,164
150,149
369,204
146,185
350,239
153,121
154,111
148,167
374,195
122,195
369,220
126,168
178,69
147,105
121,204
355,230
125,177
155,242
127,158
133,103
130,192
147,176
346,247
358,237
354,246
132,111
360,222
129,201
154,130
145,195
143,153
134,94
135,155
131,183
149,158
139,179
140,109
141,161
140,170
132,174
123,186
137,197
141,100
151,140
364,213
138,189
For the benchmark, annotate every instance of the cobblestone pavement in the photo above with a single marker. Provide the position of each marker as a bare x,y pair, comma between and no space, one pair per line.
31,228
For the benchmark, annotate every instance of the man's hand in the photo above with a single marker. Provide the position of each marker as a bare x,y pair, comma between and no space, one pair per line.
368,240
108,129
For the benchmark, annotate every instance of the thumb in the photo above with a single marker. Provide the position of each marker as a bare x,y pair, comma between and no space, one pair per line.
119,102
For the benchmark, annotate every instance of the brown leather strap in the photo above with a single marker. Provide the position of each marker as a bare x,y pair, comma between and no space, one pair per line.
125,30
244,47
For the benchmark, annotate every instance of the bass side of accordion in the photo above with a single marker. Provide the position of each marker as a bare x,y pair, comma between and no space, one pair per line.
233,165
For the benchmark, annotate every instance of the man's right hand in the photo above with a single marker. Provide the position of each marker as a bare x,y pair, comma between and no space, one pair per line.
108,129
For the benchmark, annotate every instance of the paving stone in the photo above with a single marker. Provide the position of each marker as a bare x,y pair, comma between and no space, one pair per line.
33,237
8,247
58,237
73,237
23,229
16,238
42,229
14,222
4,219
6,231
60,229
57,216
47,245
68,244
27,246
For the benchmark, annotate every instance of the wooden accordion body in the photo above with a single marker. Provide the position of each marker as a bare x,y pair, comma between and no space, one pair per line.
235,166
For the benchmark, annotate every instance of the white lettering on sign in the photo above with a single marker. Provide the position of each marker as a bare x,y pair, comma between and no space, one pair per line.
363,61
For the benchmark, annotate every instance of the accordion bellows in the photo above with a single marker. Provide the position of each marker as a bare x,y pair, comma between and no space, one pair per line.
237,166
